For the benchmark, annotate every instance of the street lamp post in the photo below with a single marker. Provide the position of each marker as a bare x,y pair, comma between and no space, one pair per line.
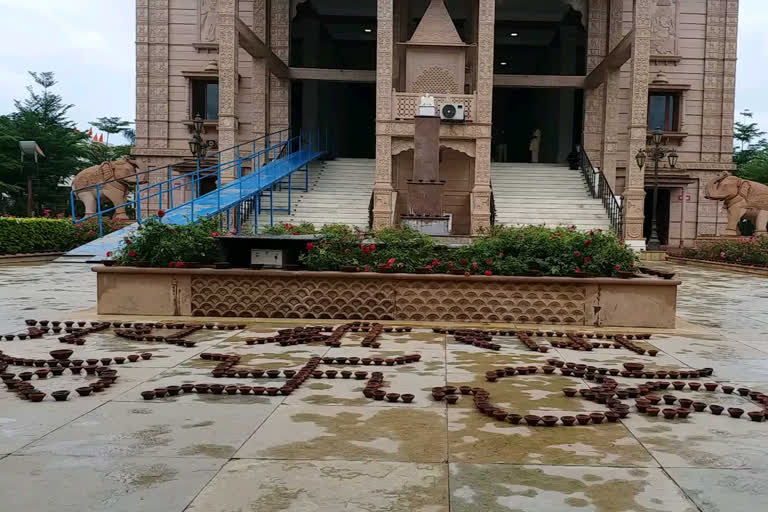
656,152
30,147
196,145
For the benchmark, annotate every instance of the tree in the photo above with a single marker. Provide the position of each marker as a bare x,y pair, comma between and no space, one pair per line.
41,117
112,125
750,139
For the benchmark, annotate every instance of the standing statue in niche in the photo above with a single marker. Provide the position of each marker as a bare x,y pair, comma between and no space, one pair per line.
208,20
535,145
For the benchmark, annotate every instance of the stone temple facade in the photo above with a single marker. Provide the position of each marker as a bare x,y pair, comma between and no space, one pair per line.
600,74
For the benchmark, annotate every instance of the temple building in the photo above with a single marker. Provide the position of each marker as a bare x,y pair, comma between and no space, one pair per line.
545,104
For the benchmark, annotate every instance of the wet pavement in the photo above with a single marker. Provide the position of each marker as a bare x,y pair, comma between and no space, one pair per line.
326,447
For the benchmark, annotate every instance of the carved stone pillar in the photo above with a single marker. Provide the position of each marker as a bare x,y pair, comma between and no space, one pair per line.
382,188
259,83
481,191
634,192
611,96
142,74
279,89
594,99
229,46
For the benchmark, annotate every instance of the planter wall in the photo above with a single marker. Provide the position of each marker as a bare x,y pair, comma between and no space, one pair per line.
404,297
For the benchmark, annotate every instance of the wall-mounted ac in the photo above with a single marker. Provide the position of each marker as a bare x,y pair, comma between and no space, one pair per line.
452,112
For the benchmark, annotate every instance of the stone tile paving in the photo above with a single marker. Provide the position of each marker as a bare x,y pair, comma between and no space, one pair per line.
326,447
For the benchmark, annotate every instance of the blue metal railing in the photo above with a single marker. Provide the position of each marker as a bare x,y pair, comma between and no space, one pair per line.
281,156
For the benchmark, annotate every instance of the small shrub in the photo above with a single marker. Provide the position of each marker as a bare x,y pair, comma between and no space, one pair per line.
163,245
287,228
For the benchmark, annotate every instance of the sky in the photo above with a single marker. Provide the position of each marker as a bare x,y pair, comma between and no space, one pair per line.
90,46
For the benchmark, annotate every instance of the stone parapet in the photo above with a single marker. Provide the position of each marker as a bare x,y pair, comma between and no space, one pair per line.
598,302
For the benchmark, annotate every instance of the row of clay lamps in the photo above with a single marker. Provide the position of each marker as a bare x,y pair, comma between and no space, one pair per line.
297,336
556,334
374,389
484,338
448,393
293,383
477,338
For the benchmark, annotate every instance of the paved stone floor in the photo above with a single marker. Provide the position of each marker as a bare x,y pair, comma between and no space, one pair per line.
328,448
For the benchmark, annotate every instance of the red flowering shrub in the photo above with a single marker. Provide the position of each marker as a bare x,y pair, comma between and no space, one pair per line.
749,251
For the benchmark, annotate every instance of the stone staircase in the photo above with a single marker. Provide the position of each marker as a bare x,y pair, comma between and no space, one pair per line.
534,194
339,193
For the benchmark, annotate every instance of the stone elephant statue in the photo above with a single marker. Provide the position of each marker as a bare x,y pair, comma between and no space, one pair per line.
741,197
118,179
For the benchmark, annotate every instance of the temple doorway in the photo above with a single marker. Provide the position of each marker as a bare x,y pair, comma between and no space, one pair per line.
518,113
662,214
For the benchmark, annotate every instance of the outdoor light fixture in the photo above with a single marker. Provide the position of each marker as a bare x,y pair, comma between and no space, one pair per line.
368,30
657,135
502,63
657,153
514,34
196,145
198,124
640,157
673,159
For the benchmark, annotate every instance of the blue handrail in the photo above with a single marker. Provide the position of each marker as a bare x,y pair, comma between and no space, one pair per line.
266,163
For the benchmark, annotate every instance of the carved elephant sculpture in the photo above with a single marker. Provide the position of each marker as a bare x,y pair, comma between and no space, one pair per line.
740,197
116,178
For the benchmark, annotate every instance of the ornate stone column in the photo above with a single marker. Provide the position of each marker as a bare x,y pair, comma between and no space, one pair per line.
229,49
611,96
279,89
481,190
259,84
634,191
594,99
382,188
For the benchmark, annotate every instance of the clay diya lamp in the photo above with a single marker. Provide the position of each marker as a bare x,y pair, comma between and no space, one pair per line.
354,360
694,386
60,396
273,374
36,396
133,358
148,395
566,371
438,395
389,361
757,416
202,388
686,403
597,417
379,394
500,372
568,421
84,391
407,397
652,411
491,376
754,395
532,420
710,386
146,356
465,390
346,374
569,392
258,373
361,375
669,399
231,389
160,392
449,390
173,390
735,412
683,412
331,374
633,392
259,390
26,375
514,419
548,370
393,397
286,390
678,385
716,409
272,391
58,371
549,421
612,417
451,399
642,405
728,389
697,406
583,419
187,388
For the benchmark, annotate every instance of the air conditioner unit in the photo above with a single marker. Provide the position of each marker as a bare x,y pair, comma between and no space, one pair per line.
452,112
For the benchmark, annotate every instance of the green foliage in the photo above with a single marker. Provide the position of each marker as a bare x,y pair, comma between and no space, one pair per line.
753,251
114,125
755,169
41,117
95,153
49,233
22,236
286,228
751,153
502,251
163,245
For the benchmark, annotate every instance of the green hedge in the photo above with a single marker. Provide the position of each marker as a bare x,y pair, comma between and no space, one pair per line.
752,251
22,235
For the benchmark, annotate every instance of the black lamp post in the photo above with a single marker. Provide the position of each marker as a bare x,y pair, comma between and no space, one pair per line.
196,145
656,152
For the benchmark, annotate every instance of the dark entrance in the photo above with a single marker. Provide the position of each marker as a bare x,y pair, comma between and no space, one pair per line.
517,113
348,110
662,214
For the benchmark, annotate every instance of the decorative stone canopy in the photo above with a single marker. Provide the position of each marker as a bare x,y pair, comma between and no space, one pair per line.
436,28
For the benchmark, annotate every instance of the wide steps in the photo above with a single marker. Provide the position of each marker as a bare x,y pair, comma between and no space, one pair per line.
545,194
